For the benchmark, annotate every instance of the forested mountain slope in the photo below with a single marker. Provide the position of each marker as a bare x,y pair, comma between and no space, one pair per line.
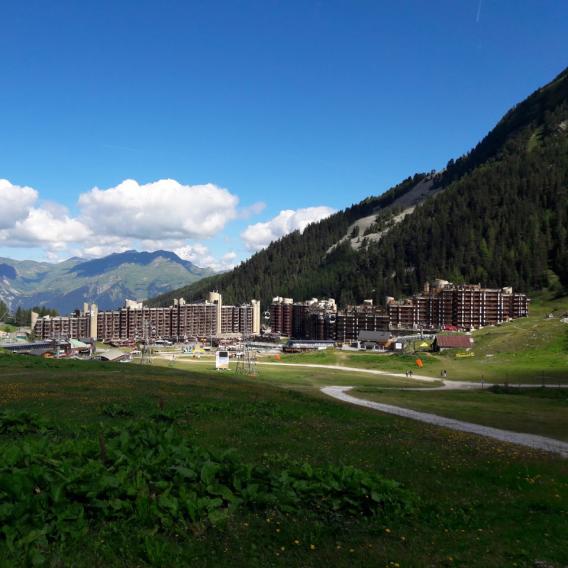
500,217
292,262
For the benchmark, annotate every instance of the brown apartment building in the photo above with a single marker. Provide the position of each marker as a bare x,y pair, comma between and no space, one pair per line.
464,306
440,305
136,321
281,316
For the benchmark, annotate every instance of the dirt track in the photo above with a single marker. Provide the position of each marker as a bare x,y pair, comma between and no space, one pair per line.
528,440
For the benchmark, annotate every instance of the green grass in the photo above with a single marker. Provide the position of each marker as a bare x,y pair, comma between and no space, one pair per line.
482,503
530,411
388,362
538,411
298,377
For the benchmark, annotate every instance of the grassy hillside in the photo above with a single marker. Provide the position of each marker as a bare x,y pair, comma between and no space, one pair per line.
533,411
478,502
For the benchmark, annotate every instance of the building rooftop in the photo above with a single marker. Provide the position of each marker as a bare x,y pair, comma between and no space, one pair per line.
456,341
368,335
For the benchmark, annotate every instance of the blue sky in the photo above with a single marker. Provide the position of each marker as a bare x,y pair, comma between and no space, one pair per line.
286,105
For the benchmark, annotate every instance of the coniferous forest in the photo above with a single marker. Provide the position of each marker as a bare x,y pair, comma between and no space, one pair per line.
21,317
501,218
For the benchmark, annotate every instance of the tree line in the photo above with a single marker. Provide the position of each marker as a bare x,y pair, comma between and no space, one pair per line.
22,316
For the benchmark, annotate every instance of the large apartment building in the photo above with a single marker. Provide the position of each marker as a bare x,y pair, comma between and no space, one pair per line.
314,319
135,321
61,327
442,304
354,319
464,306
281,316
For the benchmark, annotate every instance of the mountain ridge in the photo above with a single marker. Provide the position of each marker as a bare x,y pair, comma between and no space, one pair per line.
106,281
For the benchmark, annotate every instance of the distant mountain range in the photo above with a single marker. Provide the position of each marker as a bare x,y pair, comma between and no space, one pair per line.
498,215
105,281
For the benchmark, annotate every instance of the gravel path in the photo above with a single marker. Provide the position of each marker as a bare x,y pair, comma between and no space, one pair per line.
528,440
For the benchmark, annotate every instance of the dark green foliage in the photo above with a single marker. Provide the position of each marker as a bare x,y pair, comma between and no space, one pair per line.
532,111
148,474
20,422
500,219
502,224
258,409
543,392
3,311
44,311
115,410
464,482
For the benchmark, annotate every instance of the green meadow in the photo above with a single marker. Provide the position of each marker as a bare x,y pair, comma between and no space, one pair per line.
128,465
532,411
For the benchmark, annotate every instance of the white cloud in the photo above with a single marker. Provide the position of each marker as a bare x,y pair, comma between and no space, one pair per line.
200,255
229,256
53,256
44,228
25,224
195,253
260,235
15,203
159,215
164,209
254,209
159,244
98,246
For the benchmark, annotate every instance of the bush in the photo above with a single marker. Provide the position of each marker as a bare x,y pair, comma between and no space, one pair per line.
20,422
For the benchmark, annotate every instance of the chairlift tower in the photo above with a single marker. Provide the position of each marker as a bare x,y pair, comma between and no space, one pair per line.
247,364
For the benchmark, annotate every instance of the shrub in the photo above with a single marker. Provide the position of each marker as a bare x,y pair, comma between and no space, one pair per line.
20,422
